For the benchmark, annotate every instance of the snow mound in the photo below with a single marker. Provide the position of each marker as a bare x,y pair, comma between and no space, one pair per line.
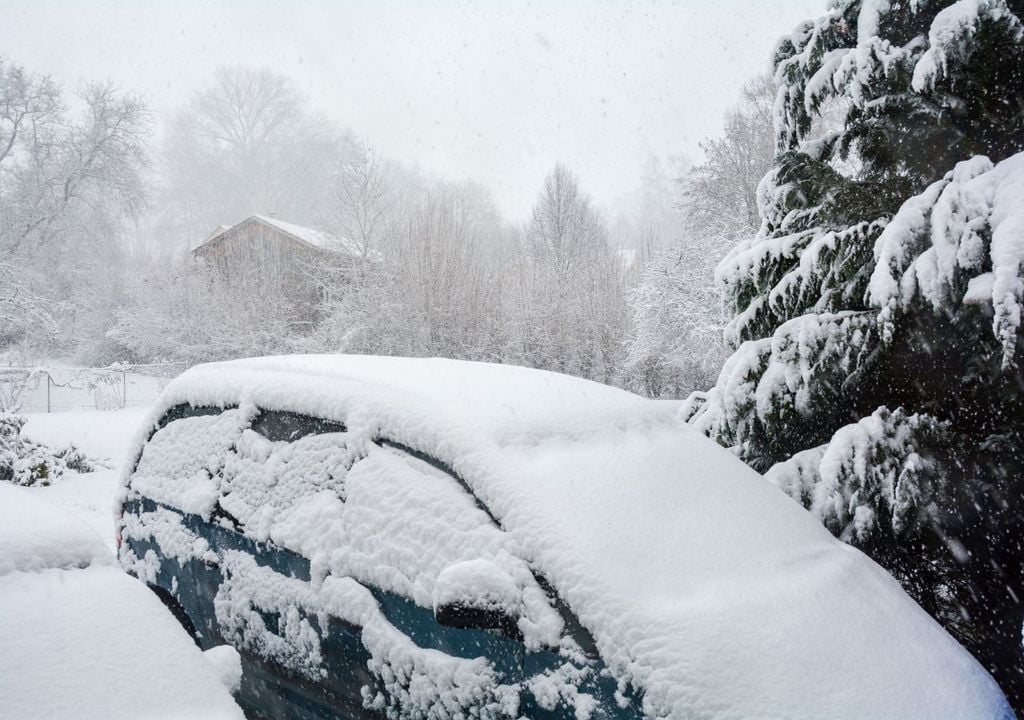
703,586
36,535
95,643
478,583
228,665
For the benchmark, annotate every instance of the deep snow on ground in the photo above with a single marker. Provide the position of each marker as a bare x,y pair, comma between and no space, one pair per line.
100,434
35,535
80,639
103,435
89,496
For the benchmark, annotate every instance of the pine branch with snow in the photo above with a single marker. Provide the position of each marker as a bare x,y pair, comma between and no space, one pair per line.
888,272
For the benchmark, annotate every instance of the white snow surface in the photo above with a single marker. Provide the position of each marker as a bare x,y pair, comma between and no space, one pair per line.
81,639
228,665
101,434
89,497
701,583
96,643
35,535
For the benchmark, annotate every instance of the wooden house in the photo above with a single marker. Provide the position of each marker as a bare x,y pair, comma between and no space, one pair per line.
282,260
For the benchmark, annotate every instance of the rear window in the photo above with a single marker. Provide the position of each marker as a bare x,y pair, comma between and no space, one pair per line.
285,473
280,426
181,463
205,460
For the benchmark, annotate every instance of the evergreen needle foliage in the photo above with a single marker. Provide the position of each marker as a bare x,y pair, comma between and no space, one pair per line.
876,315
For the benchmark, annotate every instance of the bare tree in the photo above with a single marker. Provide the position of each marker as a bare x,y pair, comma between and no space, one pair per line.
570,312
720,194
564,230
363,199
247,144
66,187
675,344
429,288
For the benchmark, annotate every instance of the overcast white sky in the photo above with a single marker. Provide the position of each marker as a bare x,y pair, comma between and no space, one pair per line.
497,92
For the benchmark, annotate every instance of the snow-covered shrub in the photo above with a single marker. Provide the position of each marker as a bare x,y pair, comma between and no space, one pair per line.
25,462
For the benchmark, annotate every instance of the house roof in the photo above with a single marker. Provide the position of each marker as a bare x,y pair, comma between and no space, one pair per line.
217,231
307,236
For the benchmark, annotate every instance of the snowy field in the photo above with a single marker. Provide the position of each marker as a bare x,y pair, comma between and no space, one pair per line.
104,436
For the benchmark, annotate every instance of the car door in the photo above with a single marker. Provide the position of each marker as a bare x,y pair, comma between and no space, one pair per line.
218,566
350,576
299,660
418,537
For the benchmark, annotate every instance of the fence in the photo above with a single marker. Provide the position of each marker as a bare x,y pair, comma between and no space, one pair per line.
57,389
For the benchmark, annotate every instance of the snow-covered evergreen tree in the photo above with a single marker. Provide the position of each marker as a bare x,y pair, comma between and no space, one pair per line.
876,316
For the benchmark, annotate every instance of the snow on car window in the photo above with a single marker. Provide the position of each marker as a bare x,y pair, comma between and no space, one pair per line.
392,521
373,517
181,463
280,490
406,522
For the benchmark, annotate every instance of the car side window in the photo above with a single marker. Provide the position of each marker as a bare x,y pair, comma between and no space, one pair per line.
286,473
412,528
179,412
180,464
283,426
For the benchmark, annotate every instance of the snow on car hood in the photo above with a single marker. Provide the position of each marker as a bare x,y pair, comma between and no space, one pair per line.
702,584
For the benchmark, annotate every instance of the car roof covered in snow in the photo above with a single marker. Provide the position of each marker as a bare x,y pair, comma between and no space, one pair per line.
506,403
701,583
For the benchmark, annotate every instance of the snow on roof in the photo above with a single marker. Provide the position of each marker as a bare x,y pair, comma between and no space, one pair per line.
701,583
315,238
216,231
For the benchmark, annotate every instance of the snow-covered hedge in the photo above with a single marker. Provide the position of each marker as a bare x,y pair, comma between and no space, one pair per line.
25,462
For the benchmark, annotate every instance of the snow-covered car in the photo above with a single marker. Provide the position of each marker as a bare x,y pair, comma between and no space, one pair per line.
81,639
426,538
